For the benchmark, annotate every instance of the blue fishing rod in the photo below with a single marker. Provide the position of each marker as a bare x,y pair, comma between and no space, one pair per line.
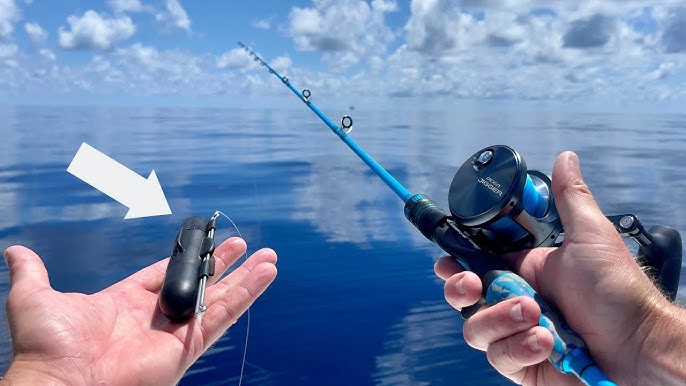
497,206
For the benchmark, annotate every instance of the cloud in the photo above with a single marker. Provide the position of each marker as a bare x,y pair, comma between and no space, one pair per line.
171,16
174,16
281,63
589,33
9,14
520,49
139,69
235,59
92,31
662,72
446,52
36,33
121,6
346,31
262,24
47,54
8,51
674,36
434,26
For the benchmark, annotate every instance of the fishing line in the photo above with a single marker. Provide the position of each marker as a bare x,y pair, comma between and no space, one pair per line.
247,327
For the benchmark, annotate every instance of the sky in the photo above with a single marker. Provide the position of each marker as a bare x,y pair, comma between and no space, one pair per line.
614,55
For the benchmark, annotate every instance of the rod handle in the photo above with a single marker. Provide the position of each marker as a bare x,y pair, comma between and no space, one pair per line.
570,354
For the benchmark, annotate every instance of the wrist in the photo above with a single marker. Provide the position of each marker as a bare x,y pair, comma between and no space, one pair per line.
27,373
662,356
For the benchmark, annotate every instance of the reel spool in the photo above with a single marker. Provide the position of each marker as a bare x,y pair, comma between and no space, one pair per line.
500,205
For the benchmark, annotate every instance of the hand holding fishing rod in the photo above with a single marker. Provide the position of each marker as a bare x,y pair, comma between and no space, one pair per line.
632,330
497,206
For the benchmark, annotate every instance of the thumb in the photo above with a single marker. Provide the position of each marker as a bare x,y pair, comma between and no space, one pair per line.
578,210
26,268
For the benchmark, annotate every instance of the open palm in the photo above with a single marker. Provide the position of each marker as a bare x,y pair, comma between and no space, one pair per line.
118,336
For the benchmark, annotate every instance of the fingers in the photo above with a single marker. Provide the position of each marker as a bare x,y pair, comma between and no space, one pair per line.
152,276
26,268
229,298
447,266
577,208
462,289
219,290
499,321
225,255
510,335
512,355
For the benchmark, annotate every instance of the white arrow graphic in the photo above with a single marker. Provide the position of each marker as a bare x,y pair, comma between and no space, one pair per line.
143,197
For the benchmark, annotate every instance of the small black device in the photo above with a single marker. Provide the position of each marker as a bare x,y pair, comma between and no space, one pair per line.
190,264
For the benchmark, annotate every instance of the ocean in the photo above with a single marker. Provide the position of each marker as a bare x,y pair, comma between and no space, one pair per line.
355,301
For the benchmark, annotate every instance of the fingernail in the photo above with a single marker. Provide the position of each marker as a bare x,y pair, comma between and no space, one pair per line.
574,159
516,313
533,343
459,286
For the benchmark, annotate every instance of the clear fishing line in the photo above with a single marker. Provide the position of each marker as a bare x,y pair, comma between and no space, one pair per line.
247,328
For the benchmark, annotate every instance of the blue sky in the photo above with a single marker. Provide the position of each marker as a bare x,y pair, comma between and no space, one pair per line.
611,55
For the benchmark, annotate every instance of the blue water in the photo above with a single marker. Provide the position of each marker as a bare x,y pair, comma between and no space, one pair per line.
356,301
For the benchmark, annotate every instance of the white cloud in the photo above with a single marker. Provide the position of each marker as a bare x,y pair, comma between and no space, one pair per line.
121,6
262,24
439,26
35,32
347,31
9,14
8,51
47,54
385,5
235,59
92,31
444,52
174,16
662,72
281,63
141,68
531,49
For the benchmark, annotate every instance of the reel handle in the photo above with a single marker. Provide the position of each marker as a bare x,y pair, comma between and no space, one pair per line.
663,256
660,251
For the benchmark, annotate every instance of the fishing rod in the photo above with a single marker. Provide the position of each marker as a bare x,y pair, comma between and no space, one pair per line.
498,206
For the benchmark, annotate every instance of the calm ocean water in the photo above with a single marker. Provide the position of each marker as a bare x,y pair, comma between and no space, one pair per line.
356,301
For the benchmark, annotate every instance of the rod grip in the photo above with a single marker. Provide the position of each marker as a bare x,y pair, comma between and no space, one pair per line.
570,354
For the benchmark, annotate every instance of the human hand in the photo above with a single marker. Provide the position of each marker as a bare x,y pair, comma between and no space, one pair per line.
594,281
118,336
